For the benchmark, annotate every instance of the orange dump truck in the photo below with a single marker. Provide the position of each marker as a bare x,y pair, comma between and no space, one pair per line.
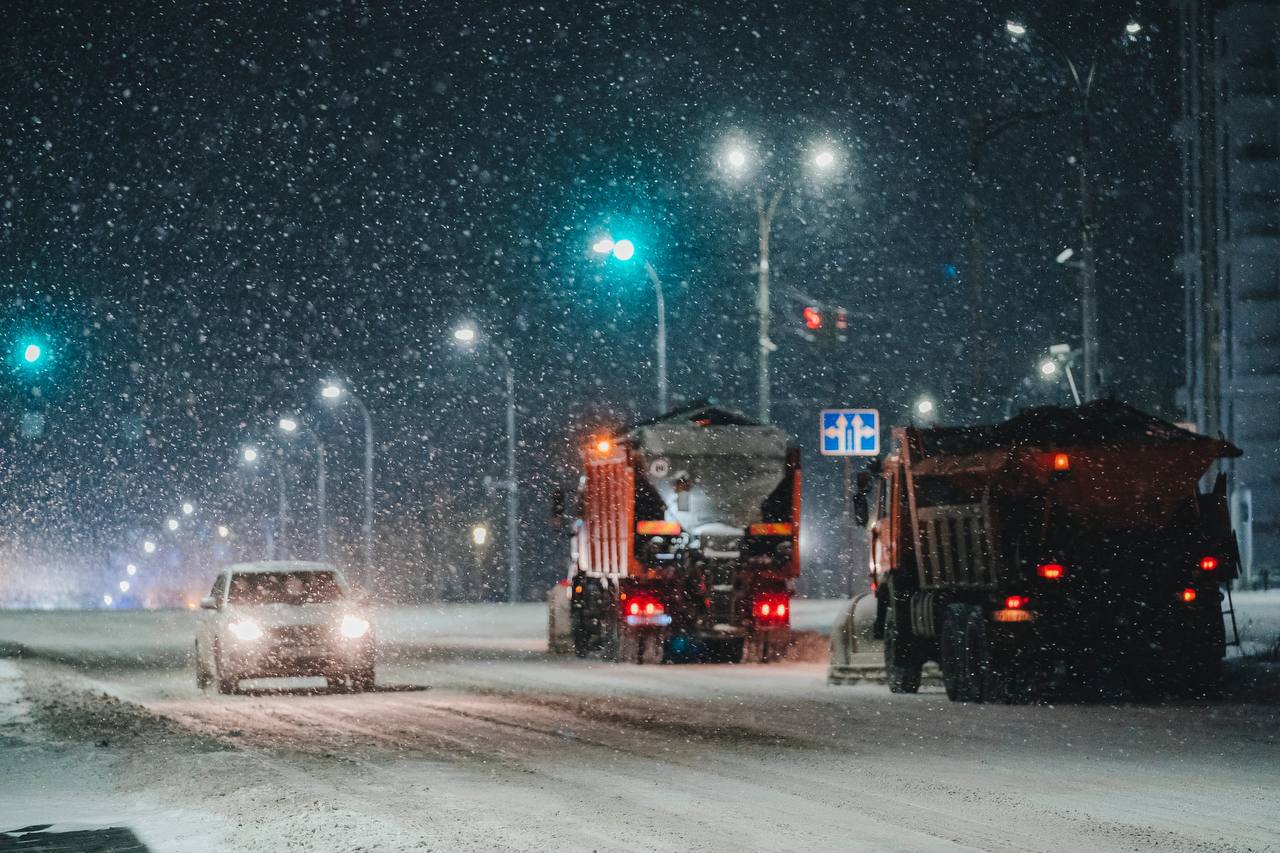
685,541
1065,547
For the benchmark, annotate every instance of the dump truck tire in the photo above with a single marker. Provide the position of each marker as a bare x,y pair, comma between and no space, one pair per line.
902,663
954,654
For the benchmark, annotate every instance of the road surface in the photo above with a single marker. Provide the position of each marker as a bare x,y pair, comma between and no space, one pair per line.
476,740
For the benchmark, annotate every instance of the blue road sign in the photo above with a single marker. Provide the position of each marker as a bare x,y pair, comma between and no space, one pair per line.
850,432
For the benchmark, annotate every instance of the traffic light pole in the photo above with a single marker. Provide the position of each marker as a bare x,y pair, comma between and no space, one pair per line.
513,497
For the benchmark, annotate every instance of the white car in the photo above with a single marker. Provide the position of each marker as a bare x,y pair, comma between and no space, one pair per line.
283,619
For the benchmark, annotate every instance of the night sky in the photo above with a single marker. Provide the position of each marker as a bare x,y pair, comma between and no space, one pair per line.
208,208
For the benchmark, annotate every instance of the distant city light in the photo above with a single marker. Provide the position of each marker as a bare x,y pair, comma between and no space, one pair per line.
464,334
131,570
106,599
224,531
288,424
624,250
124,586
479,534
250,454
188,508
172,524
149,547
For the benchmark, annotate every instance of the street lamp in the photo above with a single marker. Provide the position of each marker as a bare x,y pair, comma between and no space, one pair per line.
291,426
736,163
1082,84
467,335
624,250
925,407
131,570
172,524
250,455
333,393
223,531
149,547
188,508
480,534
124,586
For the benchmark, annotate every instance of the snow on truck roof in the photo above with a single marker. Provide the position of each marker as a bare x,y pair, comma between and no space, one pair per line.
701,413
1102,423
280,566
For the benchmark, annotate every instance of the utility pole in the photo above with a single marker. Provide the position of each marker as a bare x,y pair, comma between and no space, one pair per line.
764,222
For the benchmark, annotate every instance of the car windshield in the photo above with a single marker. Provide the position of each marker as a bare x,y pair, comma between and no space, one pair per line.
285,588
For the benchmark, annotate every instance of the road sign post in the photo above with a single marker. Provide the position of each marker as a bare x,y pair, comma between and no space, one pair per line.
849,433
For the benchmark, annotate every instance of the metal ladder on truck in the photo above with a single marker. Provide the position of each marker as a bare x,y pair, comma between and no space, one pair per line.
1231,611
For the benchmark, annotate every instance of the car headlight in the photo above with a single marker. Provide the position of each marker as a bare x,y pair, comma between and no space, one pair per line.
246,630
353,626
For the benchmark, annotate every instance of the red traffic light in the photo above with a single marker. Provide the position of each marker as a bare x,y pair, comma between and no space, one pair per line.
812,318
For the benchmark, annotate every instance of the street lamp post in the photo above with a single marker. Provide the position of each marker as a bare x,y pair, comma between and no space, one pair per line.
624,250
1082,80
333,392
280,536
467,335
737,161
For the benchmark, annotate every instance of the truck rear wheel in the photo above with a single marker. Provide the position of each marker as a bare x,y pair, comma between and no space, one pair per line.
902,663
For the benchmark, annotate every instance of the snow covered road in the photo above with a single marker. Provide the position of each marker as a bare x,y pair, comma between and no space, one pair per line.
476,740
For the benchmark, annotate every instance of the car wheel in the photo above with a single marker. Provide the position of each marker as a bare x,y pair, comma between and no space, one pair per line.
362,680
228,682
202,675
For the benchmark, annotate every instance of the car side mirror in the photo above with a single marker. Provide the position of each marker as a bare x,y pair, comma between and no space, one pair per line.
208,603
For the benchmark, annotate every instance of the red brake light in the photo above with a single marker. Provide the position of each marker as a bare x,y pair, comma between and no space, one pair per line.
1208,563
1188,595
1051,571
771,607
812,318
1015,602
1061,462
642,604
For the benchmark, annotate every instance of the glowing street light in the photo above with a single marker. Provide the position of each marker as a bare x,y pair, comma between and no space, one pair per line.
124,586
131,570
1133,28
31,354
188,508
223,531
1015,29
1048,368
149,547
736,158
624,250
925,407
331,391
107,599
603,246
287,424
825,158
464,334
480,534
172,524
249,454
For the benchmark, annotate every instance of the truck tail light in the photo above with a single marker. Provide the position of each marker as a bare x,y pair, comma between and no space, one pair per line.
1051,571
1014,610
773,608
1016,602
642,605
1208,564
658,528
1061,462
1187,596
777,528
